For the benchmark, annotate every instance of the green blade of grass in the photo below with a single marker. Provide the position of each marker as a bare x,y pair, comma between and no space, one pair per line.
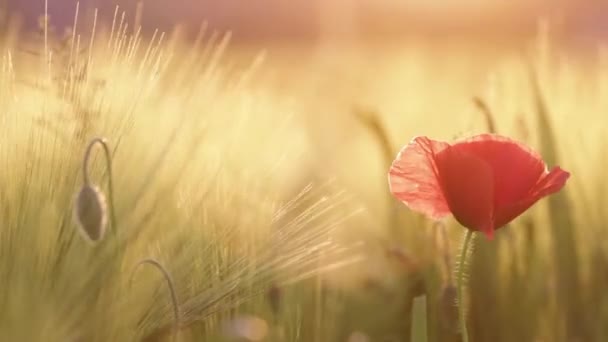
561,221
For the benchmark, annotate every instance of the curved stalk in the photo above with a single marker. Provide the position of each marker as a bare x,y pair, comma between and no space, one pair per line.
171,286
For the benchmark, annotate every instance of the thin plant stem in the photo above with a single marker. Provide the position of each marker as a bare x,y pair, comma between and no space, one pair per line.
171,286
461,267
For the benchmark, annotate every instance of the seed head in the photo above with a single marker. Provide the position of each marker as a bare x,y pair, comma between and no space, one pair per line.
91,213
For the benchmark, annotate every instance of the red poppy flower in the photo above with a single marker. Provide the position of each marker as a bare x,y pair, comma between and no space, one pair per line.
485,181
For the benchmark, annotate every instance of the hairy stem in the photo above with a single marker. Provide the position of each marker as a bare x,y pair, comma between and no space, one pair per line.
461,267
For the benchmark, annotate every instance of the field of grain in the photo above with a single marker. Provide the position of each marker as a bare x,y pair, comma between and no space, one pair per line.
256,178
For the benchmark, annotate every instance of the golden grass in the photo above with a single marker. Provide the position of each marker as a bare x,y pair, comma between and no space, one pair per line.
210,154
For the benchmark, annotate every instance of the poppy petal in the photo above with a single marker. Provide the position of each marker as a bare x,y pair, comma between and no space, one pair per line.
414,180
551,182
468,185
516,168
485,181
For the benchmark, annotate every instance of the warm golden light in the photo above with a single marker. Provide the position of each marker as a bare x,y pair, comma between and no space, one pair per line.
269,172
457,10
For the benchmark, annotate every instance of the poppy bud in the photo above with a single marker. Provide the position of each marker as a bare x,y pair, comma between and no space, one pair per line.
90,212
90,209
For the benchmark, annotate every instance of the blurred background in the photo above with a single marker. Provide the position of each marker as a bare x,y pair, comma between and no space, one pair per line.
332,89
341,20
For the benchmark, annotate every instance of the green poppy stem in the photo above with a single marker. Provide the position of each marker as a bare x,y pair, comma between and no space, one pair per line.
461,266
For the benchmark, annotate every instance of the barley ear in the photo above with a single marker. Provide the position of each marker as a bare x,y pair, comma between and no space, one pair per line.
171,286
484,109
370,120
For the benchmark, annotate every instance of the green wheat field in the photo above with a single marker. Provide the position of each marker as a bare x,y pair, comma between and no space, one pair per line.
256,178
